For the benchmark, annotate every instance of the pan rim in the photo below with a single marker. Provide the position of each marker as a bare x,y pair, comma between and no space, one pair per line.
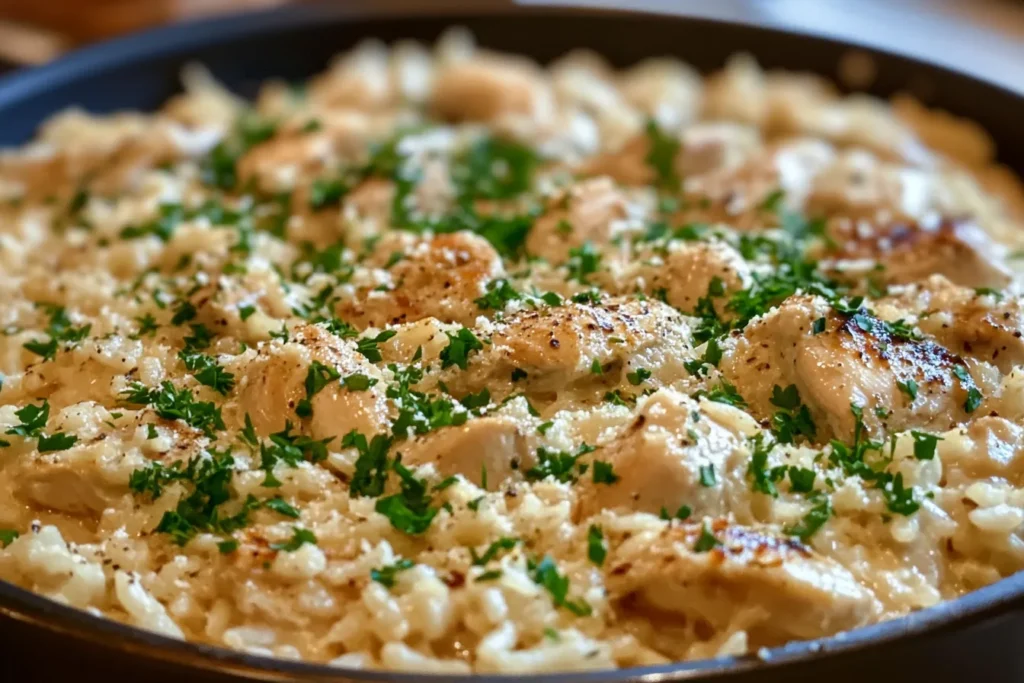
30,608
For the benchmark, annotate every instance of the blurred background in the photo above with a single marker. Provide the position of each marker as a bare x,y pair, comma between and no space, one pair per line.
983,37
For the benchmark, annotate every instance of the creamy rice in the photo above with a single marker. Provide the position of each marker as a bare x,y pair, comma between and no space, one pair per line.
446,362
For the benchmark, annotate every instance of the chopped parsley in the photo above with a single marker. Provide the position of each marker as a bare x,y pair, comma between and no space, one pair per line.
207,372
763,477
367,346
682,513
924,445
793,419
358,382
386,574
318,376
172,403
706,541
460,346
815,518
909,388
499,294
60,330
974,396
209,479
418,411
329,191
603,472
503,544
545,573
56,442
723,393
147,325
371,469
596,550
583,261
898,498
661,156
219,167
300,537
408,511
33,420
560,465
638,377
711,356
801,479
281,507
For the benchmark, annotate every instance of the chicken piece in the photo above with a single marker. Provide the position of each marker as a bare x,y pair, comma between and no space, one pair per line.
856,121
558,347
356,80
489,89
48,175
859,185
659,458
280,163
776,587
704,148
684,273
736,192
663,88
219,305
806,105
275,382
737,93
987,327
425,338
369,208
57,482
88,372
854,360
911,251
989,448
592,211
486,444
438,277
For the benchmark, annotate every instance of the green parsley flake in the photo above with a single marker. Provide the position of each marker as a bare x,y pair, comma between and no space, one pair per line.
493,550
909,388
638,377
386,574
545,573
172,403
793,420
596,550
460,346
603,472
367,346
300,537
662,149
924,445
706,541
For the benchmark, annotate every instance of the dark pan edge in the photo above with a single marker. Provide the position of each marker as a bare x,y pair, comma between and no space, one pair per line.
31,608
24,606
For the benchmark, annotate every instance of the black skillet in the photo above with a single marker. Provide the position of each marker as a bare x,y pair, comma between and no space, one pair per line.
976,638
